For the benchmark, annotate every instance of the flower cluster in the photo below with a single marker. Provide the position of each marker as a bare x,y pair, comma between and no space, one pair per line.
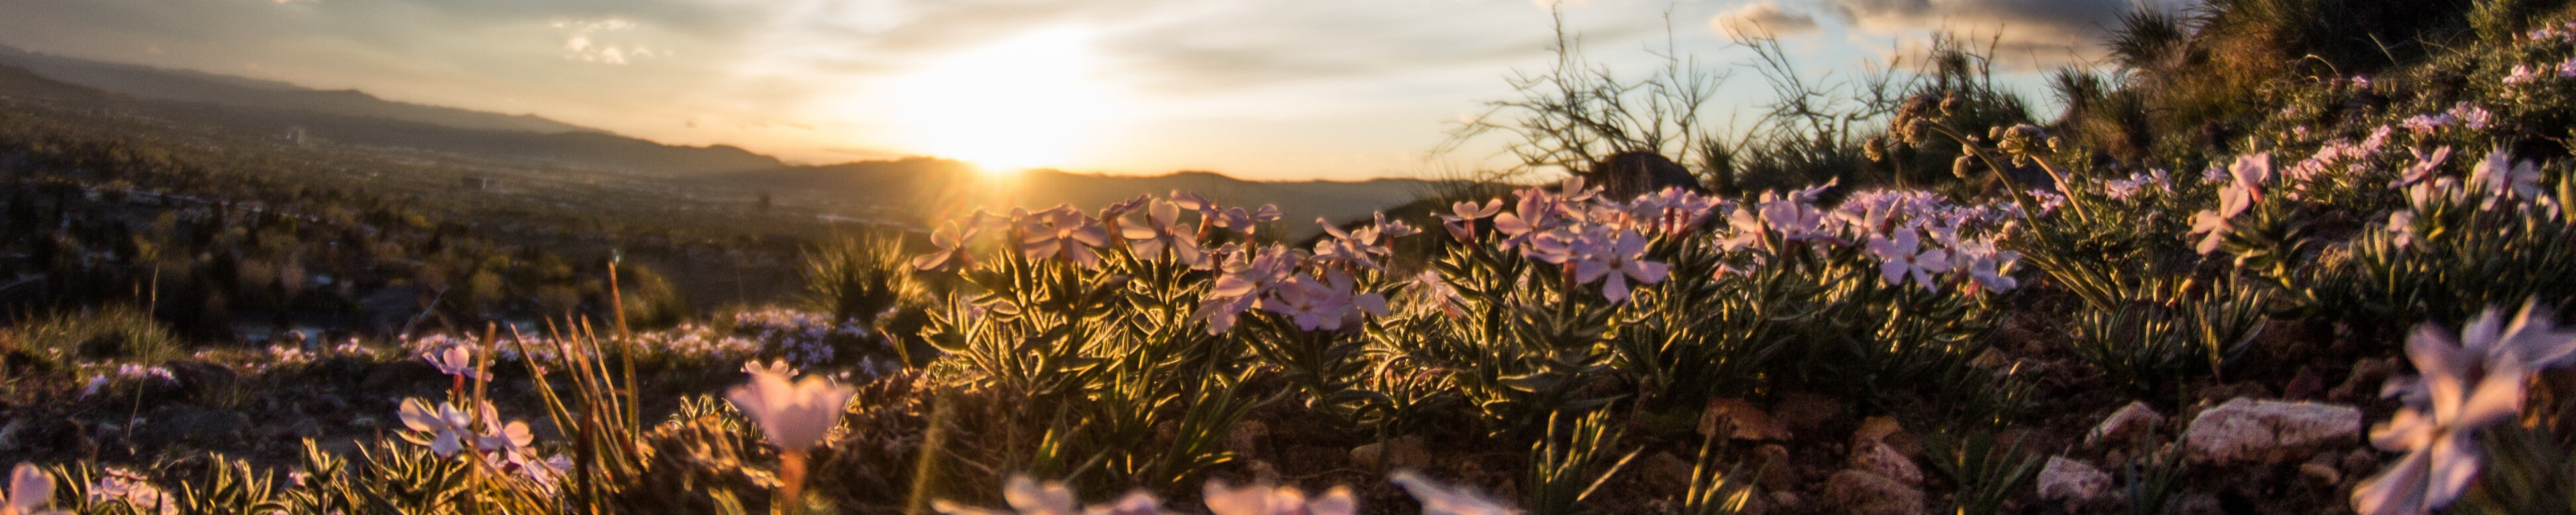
804,338
2469,383
507,447
1029,497
119,485
1916,237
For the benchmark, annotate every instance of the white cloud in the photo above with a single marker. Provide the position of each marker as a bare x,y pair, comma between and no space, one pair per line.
1764,16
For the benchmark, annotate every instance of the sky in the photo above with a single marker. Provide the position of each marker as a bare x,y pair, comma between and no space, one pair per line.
1263,89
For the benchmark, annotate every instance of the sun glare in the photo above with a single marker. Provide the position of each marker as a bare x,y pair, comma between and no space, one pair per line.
1026,102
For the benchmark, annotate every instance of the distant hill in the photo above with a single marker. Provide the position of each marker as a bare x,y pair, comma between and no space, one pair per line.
938,187
913,187
148,83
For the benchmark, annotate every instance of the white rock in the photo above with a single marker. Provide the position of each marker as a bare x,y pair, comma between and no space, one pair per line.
2071,481
2248,429
2132,419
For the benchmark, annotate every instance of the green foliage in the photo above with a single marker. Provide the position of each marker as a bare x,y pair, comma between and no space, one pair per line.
117,332
1986,474
1572,462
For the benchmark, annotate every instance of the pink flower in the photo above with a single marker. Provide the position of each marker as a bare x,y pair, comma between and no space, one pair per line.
1027,497
1462,223
1438,499
1064,232
2504,177
1616,258
445,427
1162,237
1263,499
30,489
1241,221
794,415
1905,256
456,361
1243,283
2425,165
2212,228
1324,306
2468,384
950,248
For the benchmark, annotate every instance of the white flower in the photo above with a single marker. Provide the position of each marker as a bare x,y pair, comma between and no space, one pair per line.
456,361
29,490
1617,259
2212,226
1263,499
1027,497
1438,499
794,415
1162,235
2467,384
2503,177
1905,256
445,426
121,485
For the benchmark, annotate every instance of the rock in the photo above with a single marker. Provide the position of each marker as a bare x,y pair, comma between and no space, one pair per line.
183,423
1778,474
1862,493
2247,429
1879,458
35,433
1804,411
1247,438
1396,453
199,376
2071,481
1785,500
1885,430
2364,382
1665,472
2136,418
1745,421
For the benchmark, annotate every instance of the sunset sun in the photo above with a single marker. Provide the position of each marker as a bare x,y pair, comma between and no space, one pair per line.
1026,102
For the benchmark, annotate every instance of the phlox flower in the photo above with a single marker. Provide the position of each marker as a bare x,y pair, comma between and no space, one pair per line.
2211,227
949,248
126,486
1322,306
455,361
1438,499
1242,221
1904,256
1462,217
2470,115
2245,185
2468,384
1263,499
2523,75
2401,224
1533,215
2424,167
794,415
445,427
2504,177
1795,220
1028,497
2427,123
1618,259
1066,233
1426,288
2567,68
30,489
1245,279
1162,237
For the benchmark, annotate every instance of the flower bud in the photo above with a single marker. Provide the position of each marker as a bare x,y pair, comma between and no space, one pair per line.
1964,167
1951,104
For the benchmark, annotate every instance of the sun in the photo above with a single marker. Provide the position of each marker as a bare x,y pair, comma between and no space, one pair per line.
1031,101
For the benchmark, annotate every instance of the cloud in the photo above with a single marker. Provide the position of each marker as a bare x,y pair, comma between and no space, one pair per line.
2025,32
1765,16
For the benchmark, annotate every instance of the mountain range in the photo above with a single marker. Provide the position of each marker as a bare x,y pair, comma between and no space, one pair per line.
356,119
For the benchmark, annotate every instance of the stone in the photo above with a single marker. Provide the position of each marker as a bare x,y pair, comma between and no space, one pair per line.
1744,422
1887,431
183,423
1247,438
1665,472
1883,460
1804,411
1785,500
1777,473
2363,383
2071,481
1401,452
1859,492
2245,429
2131,420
